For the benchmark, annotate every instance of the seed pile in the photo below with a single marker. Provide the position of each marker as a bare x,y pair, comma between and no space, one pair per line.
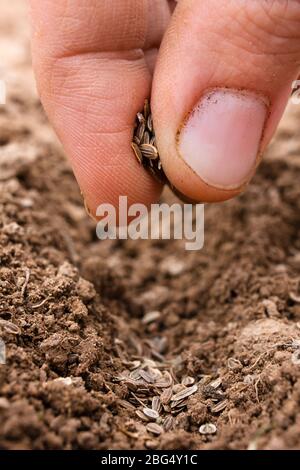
144,144
158,390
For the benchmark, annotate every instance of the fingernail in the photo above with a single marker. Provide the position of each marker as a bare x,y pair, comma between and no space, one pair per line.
221,138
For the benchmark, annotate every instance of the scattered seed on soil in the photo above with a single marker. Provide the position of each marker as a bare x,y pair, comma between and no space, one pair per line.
185,393
294,297
9,327
178,388
208,428
125,404
169,423
166,396
219,407
187,381
151,317
141,415
155,428
215,383
165,382
152,414
177,403
146,376
156,404
234,364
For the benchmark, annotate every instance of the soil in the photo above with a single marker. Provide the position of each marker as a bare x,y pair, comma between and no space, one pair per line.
83,355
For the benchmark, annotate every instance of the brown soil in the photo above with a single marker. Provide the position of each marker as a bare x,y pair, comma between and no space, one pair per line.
228,312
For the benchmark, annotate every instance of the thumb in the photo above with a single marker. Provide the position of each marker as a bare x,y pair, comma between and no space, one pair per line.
222,81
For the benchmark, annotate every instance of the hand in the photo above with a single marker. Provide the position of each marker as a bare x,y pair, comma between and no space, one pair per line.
222,79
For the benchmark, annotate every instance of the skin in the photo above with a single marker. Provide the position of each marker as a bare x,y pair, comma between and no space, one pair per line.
96,62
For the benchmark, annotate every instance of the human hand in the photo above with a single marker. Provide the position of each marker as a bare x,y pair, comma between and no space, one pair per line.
232,62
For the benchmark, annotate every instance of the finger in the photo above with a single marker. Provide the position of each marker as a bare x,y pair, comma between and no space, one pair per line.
93,78
222,81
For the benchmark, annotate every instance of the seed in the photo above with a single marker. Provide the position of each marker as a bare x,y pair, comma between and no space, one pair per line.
185,393
9,327
153,142
294,297
168,423
125,404
137,152
208,428
219,407
154,428
149,151
151,317
131,384
177,403
134,364
150,123
146,138
166,396
141,415
234,363
178,388
156,404
136,140
165,382
140,131
146,376
135,374
152,414
215,383
146,109
140,117
187,381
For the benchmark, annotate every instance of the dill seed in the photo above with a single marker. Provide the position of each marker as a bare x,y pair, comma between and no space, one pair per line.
146,109
166,396
140,117
146,138
140,131
151,317
137,152
152,414
154,428
215,383
185,393
219,407
187,381
141,415
156,404
150,123
208,428
147,376
9,327
168,423
149,151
